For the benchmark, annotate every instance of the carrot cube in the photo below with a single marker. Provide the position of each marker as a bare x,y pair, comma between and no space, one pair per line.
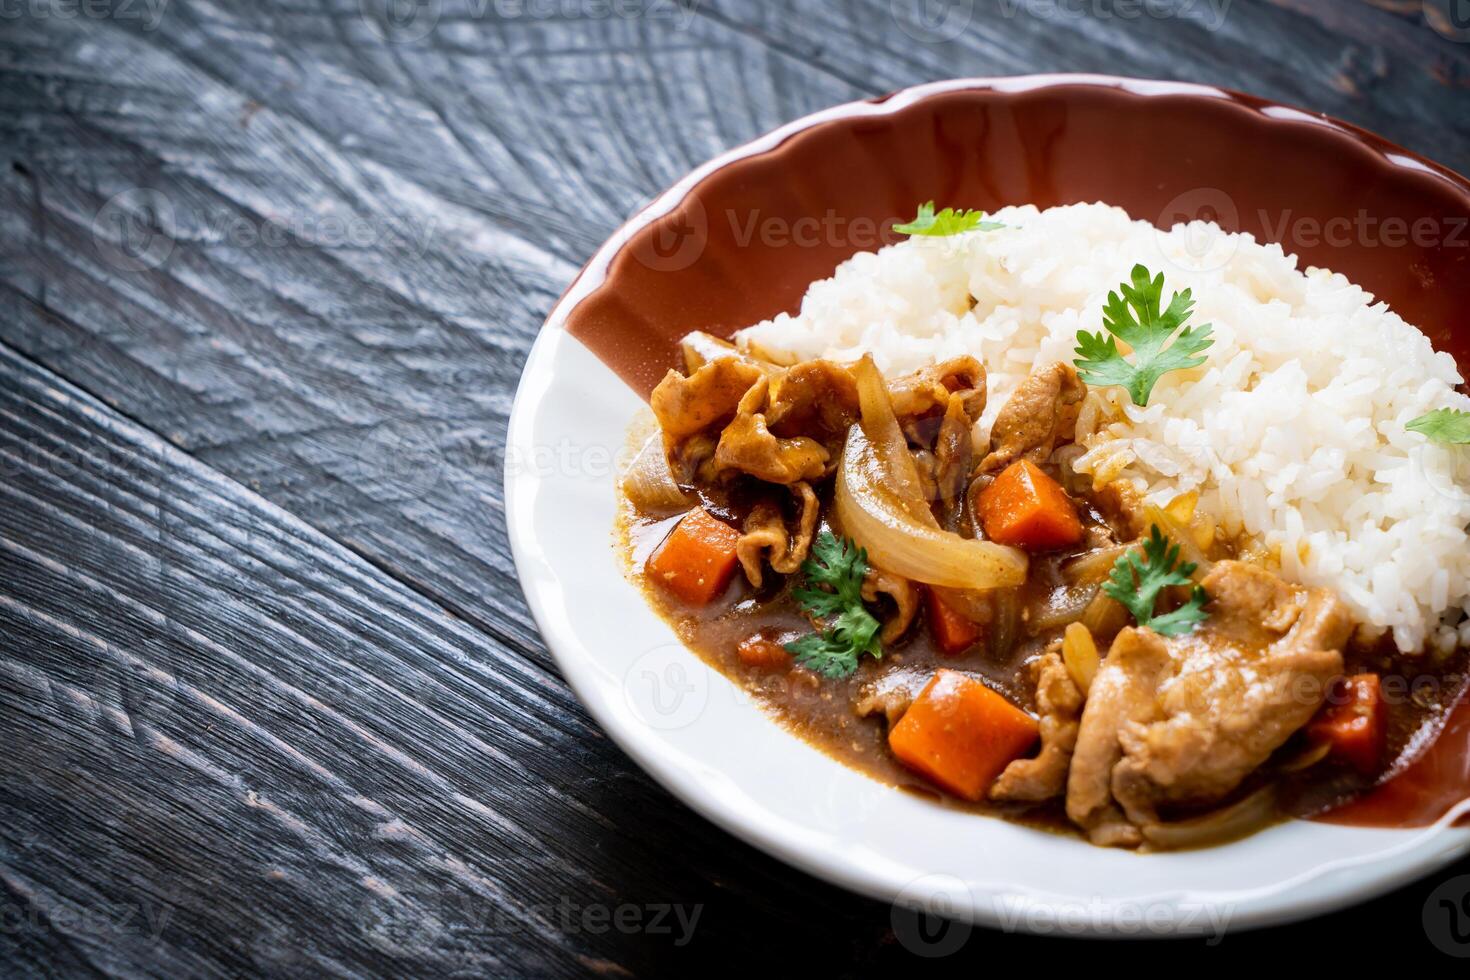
952,632
697,559
763,654
1354,723
960,735
1025,508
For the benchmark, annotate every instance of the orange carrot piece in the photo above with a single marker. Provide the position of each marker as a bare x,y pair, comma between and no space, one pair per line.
960,734
1025,508
697,559
763,654
952,632
1354,722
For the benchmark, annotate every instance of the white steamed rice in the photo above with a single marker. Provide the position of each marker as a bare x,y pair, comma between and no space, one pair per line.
1292,431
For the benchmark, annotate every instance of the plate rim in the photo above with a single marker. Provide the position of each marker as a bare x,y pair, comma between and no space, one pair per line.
1442,844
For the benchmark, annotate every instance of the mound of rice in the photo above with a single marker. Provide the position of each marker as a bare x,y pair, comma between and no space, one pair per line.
1292,432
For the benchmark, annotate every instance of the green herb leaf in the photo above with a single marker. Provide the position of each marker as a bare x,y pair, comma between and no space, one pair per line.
946,222
1136,318
838,568
1137,586
1449,425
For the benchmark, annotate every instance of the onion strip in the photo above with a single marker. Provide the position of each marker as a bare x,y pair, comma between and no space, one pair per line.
1062,607
872,512
1227,823
889,447
649,484
1094,567
1007,625
1189,549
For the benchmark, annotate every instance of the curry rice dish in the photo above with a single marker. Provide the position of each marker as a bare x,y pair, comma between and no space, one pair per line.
1144,535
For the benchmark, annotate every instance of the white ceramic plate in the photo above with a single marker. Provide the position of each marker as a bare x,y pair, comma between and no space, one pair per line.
713,747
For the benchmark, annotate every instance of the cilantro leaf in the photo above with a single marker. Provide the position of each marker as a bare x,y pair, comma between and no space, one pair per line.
1136,319
837,568
1449,425
1137,586
946,222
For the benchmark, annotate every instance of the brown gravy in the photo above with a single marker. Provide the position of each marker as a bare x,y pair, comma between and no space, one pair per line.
1428,776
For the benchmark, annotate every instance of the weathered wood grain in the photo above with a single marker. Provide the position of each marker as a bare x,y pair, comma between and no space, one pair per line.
232,745
266,676
1385,71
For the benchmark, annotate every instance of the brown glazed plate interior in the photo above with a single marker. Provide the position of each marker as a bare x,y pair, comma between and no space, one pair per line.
742,238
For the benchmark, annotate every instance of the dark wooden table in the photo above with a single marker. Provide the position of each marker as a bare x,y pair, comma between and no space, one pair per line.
270,697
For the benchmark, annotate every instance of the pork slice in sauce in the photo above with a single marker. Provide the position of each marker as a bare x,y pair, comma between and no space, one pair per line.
1036,418
766,540
933,388
748,446
954,451
1059,702
790,425
905,598
1184,720
891,692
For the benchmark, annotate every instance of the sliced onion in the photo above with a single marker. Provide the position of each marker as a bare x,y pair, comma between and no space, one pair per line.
977,607
1227,823
1007,623
871,511
1104,616
1189,549
649,484
1094,567
1063,606
1181,508
700,348
1307,758
1073,482
889,447
1079,655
